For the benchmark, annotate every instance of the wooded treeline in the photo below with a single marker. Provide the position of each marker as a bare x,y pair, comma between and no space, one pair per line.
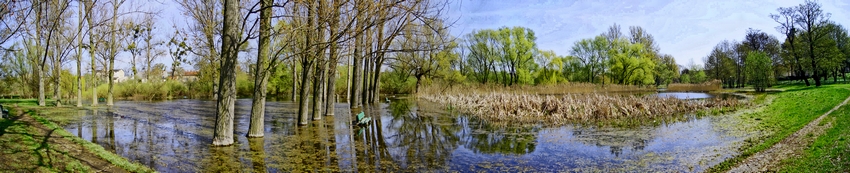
814,49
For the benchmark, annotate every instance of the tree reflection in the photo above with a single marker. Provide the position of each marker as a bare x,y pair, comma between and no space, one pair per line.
258,154
503,140
634,138
422,139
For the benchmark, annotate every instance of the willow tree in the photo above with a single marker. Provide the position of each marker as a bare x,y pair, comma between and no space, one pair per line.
759,70
434,52
225,104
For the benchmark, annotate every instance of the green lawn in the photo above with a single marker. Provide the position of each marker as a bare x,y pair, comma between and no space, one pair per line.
31,151
24,149
790,111
828,153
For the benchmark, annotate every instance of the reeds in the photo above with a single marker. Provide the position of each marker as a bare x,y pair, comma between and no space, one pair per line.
713,85
589,107
567,88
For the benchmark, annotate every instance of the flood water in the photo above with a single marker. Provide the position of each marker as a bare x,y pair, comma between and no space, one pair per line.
407,135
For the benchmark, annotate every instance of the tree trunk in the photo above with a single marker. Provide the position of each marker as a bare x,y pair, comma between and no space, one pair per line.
366,79
357,78
113,53
294,81
261,77
40,73
225,105
93,82
57,76
302,92
318,90
330,92
80,58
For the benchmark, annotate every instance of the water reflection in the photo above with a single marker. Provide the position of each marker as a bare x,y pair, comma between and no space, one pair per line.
406,135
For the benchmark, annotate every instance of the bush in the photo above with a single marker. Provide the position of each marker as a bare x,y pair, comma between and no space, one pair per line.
397,83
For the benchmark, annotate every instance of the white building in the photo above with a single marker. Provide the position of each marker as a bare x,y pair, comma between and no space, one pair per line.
118,75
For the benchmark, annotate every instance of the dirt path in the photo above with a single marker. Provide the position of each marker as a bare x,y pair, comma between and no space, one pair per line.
768,160
29,146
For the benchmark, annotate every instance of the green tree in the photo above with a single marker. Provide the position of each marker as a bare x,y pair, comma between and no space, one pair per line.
759,70
631,64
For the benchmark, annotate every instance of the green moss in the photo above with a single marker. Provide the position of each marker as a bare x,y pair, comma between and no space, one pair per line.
788,113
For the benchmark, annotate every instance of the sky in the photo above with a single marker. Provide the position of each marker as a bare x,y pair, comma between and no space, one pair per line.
686,29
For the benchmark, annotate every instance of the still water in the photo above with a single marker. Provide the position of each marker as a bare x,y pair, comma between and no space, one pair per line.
407,135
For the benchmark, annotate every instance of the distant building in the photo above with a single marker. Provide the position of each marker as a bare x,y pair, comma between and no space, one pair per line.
118,75
189,76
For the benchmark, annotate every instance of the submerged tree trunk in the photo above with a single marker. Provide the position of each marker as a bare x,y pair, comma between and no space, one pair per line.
318,90
302,92
294,82
330,91
223,134
261,77
357,78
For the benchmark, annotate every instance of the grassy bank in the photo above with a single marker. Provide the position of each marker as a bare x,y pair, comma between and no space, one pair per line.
828,153
68,141
24,149
787,113
94,148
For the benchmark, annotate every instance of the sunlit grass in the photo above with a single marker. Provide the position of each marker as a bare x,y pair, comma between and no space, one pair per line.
29,151
92,147
828,153
790,111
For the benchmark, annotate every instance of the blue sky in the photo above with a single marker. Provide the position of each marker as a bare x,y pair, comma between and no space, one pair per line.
686,29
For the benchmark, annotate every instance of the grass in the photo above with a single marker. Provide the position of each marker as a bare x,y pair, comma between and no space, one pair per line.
789,112
7,103
34,110
23,150
94,148
828,153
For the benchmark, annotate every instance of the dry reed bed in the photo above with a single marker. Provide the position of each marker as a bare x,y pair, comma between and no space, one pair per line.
591,107
713,85
566,88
